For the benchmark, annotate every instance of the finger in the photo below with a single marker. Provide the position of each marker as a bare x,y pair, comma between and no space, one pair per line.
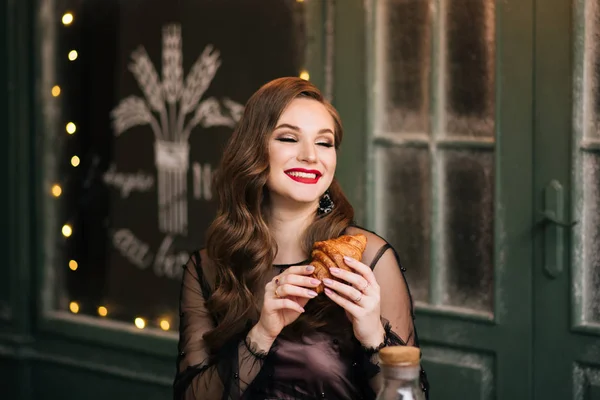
299,270
358,281
287,304
362,269
343,302
298,280
270,286
292,290
349,292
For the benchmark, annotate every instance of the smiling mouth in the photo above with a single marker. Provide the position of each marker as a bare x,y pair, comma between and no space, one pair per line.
304,177
298,174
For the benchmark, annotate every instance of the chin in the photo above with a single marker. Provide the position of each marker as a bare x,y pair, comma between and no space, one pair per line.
298,192
305,200
301,198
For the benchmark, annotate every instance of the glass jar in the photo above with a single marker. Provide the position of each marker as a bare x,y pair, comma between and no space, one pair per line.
400,368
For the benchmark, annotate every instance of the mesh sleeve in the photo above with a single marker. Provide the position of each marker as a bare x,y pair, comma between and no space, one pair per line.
226,375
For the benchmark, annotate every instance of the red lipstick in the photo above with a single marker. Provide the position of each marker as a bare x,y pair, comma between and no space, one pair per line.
307,176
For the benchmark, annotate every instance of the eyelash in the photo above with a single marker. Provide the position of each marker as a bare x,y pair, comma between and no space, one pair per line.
290,140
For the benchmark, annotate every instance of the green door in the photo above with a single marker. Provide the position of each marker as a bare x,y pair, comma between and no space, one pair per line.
567,187
449,173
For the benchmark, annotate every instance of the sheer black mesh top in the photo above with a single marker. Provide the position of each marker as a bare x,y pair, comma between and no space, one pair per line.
327,363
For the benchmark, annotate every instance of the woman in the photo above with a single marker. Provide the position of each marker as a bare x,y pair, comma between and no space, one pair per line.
252,325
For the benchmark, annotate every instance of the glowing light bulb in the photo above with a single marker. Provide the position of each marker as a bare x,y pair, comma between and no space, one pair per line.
73,265
102,311
55,90
74,307
67,230
164,325
56,190
70,128
73,55
67,18
140,323
75,161
304,75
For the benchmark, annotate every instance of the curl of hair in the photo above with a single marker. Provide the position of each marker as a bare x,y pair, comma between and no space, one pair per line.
239,242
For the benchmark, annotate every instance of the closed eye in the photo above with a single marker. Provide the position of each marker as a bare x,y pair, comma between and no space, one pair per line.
325,144
293,140
287,140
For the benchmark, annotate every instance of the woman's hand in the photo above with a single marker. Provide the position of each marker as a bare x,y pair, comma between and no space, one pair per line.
359,295
285,298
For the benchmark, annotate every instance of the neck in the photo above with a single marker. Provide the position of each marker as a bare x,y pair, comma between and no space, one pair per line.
287,227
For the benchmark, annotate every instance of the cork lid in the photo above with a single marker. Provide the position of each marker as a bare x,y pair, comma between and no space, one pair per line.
400,355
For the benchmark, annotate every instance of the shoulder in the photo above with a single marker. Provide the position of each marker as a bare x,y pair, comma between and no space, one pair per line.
373,239
202,266
376,245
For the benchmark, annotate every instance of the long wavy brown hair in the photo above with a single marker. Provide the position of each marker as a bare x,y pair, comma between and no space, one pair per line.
239,242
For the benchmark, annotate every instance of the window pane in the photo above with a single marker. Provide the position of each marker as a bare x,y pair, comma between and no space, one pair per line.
403,65
469,67
468,213
403,210
590,257
142,114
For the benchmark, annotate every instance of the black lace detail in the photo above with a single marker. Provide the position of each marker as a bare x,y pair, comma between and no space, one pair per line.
390,339
371,351
253,349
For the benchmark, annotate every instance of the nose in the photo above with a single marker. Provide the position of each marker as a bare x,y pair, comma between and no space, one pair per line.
307,153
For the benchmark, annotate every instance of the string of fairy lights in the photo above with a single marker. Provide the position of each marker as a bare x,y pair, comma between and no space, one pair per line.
56,190
68,18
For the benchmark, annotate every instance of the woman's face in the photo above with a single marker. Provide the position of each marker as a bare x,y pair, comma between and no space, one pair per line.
302,155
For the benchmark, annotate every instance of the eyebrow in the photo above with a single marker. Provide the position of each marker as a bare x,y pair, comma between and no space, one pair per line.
295,128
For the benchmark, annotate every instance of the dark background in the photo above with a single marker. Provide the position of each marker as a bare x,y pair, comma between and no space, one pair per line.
256,44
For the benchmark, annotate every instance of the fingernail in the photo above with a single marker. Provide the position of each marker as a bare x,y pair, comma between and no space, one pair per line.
310,268
315,281
328,291
349,259
334,270
327,281
312,294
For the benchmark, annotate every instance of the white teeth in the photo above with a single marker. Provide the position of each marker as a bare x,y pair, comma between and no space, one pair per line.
302,175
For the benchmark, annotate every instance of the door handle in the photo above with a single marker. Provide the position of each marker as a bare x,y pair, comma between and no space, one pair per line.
550,217
554,229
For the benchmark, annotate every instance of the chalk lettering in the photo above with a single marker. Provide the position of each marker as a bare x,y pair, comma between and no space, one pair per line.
167,264
128,182
164,264
133,249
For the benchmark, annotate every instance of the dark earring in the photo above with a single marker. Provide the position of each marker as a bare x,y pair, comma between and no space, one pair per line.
325,204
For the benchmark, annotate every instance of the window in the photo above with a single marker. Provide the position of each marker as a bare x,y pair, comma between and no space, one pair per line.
432,140
136,113
586,195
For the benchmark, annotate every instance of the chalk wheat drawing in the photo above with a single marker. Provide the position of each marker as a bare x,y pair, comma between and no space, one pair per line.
166,107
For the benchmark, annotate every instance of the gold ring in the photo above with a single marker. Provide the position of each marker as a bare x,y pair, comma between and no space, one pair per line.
277,294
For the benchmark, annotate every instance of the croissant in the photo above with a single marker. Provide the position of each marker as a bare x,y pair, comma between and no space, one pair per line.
330,253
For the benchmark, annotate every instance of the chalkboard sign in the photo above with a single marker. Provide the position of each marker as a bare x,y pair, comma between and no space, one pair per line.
159,87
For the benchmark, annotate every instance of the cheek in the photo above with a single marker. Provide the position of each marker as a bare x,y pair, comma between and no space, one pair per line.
274,155
330,161
279,157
